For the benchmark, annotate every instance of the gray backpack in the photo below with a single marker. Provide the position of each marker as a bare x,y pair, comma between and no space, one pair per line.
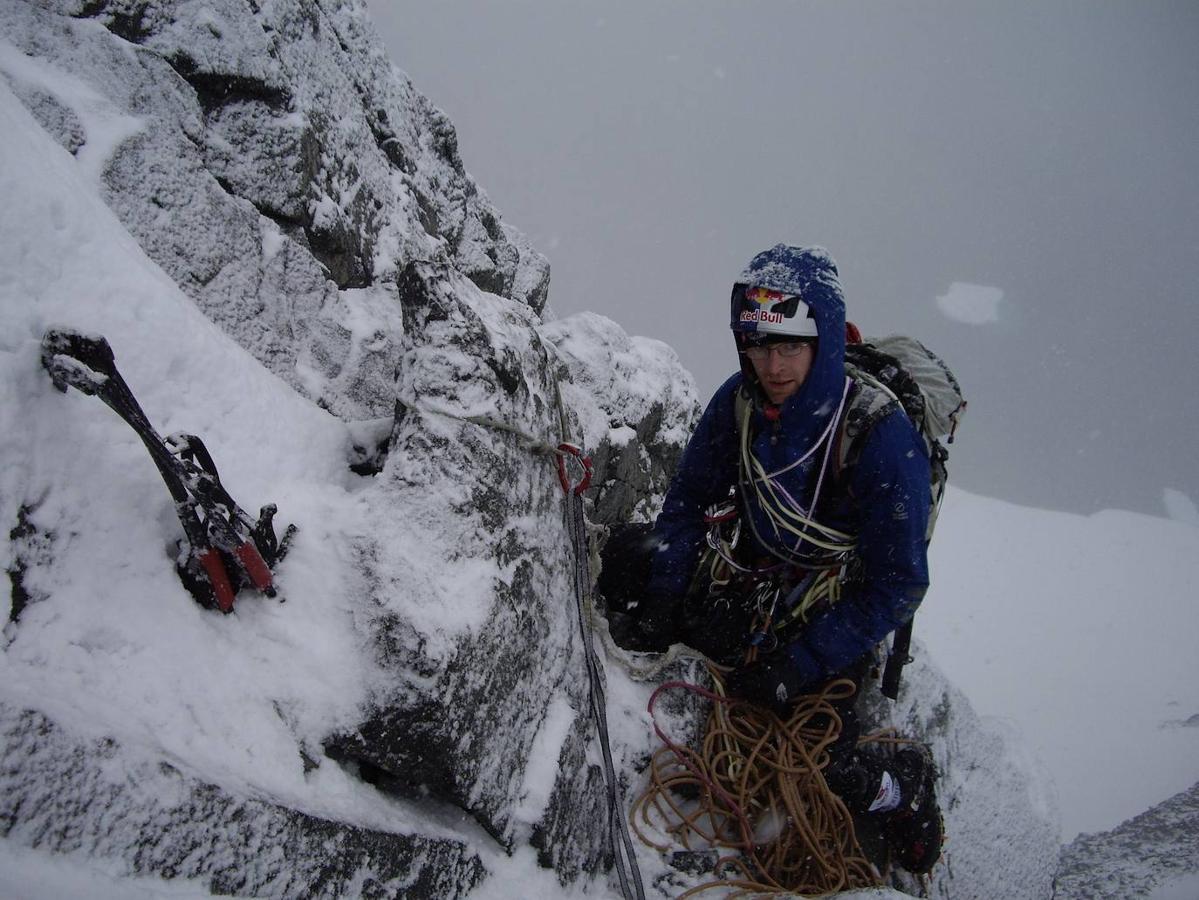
899,370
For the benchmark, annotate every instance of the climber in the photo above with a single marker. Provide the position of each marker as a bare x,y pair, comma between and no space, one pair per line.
779,546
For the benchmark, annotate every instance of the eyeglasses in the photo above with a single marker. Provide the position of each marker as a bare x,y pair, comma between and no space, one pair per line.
789,349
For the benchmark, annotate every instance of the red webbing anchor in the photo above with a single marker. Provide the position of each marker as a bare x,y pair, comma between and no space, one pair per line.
575,452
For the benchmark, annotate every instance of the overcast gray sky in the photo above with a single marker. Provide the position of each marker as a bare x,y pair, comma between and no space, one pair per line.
1048,150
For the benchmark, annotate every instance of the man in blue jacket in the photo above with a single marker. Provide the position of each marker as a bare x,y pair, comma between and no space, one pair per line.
796,526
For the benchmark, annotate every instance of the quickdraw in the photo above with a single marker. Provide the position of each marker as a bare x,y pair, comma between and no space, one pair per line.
798,592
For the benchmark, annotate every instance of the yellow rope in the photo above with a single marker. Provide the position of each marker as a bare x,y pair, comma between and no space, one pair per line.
756,787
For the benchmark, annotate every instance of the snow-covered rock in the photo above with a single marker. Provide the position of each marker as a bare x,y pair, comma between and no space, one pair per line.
1155,854
275,164
428,641
636,406
97,799
478,648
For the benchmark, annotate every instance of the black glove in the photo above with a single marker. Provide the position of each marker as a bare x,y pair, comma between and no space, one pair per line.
771,682
638,635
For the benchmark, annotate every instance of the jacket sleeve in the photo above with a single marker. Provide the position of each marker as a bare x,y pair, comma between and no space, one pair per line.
890,485
706,473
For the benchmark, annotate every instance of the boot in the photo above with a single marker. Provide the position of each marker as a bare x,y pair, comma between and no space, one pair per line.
914,830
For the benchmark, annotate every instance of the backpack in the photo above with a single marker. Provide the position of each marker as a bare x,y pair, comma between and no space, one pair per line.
902,371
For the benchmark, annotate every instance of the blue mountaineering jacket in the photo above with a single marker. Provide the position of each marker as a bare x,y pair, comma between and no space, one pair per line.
882,498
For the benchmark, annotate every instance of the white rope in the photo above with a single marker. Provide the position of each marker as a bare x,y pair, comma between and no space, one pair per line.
785,514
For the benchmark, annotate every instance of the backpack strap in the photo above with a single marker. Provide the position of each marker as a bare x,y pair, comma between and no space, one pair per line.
868,404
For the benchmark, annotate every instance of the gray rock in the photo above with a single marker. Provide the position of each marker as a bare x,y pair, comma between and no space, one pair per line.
65,794
478,414
1148,851
636,407
278,167
32,553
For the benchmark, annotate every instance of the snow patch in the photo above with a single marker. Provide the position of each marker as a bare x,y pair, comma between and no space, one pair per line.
1180,507
971,304
105,127
1042,620
543,760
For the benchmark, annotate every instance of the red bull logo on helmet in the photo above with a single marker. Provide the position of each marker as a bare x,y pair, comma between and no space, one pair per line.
761,315
762,305
765,297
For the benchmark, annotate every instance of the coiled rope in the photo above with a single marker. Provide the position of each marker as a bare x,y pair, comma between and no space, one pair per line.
756,788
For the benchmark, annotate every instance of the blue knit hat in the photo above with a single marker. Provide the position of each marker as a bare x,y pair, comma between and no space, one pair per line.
791,270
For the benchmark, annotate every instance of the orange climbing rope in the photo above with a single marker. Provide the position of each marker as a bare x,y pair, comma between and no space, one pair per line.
755,788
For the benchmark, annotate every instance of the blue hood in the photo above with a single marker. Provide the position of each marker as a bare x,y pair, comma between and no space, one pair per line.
811,273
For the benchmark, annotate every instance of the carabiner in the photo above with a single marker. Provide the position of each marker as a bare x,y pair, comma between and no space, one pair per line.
575,452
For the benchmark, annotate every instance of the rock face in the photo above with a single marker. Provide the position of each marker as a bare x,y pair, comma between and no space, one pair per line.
480,409
1148,852
96,799
636,407
275,164
311,204
477,409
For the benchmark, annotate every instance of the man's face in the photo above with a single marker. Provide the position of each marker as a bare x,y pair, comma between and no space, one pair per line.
783,369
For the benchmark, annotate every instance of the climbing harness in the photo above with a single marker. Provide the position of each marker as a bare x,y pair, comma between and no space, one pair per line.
801,591
226,549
